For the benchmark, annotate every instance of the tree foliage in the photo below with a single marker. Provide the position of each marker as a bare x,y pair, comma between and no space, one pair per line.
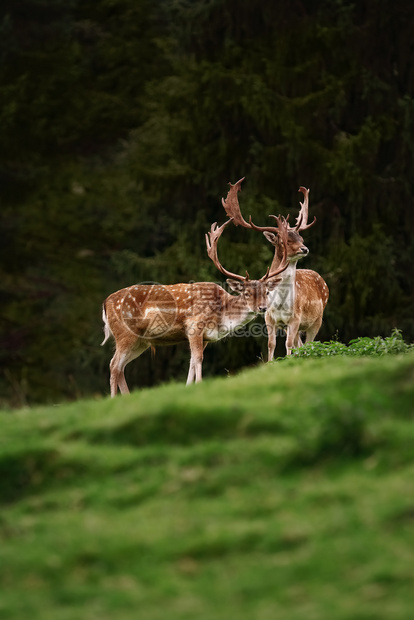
122,123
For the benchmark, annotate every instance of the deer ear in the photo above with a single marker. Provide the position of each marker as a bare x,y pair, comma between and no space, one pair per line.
270,237
272,284
235,285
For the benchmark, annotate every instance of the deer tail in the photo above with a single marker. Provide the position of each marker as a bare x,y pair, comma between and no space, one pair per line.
107,330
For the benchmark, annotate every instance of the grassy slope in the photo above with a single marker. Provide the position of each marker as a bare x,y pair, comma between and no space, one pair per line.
286,491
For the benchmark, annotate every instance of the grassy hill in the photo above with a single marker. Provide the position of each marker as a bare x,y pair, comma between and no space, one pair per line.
284,492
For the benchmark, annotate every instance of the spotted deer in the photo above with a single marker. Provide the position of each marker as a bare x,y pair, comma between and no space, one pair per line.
151,315
298,303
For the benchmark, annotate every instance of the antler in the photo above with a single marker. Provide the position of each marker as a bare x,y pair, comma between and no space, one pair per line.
232,207
273,229
231,204
302,219
282,230
211,241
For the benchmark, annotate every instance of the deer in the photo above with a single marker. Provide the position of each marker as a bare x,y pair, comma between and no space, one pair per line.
300,299
151,315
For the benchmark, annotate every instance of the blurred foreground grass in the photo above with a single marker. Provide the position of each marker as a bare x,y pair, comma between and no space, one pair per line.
286,491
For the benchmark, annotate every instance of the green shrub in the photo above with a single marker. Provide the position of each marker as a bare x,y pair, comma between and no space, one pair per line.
378,346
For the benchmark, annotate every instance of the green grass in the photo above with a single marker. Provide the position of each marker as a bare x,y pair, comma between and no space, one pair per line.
284,492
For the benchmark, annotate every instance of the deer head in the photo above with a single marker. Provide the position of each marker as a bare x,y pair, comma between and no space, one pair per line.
253,292
295,247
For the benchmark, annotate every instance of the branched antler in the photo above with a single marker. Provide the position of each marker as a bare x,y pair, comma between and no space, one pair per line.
232,207
302,219
211,241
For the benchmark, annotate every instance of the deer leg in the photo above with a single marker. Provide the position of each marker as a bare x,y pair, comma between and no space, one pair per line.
291,335
114,366
271,337
192,369
122,384
191,372
313,330
196,361
298,341
117,367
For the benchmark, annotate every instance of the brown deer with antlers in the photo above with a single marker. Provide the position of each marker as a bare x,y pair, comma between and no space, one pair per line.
298,302
150,315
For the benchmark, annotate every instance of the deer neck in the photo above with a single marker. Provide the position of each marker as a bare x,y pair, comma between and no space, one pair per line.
289,275
281,306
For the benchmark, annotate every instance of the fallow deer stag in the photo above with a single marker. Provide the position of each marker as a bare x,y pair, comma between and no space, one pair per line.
150,315
298,303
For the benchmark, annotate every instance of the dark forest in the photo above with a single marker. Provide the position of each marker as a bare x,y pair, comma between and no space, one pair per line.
122,122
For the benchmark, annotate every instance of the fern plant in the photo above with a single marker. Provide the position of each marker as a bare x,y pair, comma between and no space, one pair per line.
362,346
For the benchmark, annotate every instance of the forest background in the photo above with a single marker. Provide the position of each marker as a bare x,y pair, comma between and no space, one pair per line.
122,121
